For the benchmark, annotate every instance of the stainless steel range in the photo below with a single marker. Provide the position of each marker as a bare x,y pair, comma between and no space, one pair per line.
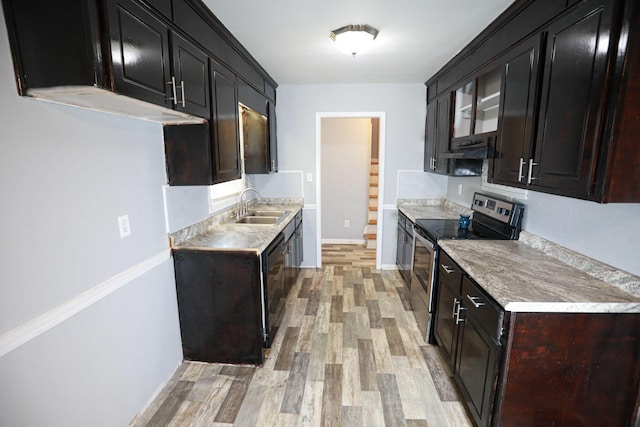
493,218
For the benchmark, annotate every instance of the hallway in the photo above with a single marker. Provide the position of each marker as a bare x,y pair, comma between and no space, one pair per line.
348,353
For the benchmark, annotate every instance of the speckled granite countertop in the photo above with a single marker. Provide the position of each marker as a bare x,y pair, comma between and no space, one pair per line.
524,279
228,235
434,209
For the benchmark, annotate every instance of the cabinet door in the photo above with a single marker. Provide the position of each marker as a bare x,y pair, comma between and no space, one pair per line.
400,247
443,133
446,329
188,154
408,251
476,368
191,71
273,136
140,53
430,136
515,137
224,124
573,100
463,116
299,246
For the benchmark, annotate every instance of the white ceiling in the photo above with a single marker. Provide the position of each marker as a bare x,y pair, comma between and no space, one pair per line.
290,38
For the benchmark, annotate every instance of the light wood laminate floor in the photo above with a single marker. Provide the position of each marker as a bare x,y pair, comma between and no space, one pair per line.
348,353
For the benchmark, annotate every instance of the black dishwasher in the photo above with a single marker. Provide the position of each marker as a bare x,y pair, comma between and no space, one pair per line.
274,290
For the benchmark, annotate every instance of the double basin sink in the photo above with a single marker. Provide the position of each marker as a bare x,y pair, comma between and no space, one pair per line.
263,217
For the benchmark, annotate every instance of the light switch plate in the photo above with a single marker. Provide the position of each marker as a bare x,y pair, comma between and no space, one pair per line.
309,177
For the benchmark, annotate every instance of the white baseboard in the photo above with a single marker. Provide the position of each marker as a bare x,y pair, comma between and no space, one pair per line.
35,327
388,267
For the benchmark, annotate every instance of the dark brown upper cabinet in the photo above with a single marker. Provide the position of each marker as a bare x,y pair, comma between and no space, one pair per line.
224,131
188,154
139,44
475,112
209,153
514,145
568,112
273,135
142,61
430,136
258,124
191,74
437,134
443,133
573,102
578,141
83,53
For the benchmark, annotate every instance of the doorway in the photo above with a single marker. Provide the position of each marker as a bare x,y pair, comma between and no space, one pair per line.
350,177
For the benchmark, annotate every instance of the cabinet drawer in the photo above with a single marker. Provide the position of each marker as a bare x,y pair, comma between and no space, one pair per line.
487,314
449,272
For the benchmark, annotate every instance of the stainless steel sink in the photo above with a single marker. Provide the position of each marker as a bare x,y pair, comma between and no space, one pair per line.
268,213
264,220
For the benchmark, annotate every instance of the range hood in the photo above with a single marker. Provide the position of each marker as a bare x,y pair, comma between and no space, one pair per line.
473,147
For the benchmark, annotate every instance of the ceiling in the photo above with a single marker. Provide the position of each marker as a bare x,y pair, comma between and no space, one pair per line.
290,38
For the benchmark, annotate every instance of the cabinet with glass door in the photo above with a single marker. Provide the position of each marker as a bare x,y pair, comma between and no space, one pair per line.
476,108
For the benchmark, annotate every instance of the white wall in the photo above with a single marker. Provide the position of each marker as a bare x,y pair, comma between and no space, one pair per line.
404,105
79,343
606,232
345,152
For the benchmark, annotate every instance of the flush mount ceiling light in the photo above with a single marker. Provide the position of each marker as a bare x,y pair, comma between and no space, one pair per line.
354,39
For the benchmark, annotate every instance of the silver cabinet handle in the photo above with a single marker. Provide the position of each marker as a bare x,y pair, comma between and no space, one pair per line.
448,269
173,90
475,302
457,317
455,305
531,165
520,176
182,90
273,164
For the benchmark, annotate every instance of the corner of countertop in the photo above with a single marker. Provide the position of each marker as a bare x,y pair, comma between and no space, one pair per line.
430,208
619,278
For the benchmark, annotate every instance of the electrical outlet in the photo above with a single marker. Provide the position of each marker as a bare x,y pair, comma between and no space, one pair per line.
309,177
459,189
123,224
346,223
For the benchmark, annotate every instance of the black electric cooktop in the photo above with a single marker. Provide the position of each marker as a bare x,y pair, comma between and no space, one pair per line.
438,229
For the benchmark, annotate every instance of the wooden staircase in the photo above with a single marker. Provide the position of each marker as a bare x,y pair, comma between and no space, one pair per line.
371,229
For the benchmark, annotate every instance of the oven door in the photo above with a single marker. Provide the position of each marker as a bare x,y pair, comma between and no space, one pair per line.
422,286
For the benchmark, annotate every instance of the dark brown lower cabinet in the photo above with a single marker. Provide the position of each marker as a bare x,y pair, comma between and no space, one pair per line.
404,248
220,305
293,251
570,369
468,329
537,368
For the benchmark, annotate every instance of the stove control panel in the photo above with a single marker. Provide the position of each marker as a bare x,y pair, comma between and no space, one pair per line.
503,210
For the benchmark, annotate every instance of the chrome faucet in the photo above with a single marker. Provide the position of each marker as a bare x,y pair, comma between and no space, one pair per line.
244,204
